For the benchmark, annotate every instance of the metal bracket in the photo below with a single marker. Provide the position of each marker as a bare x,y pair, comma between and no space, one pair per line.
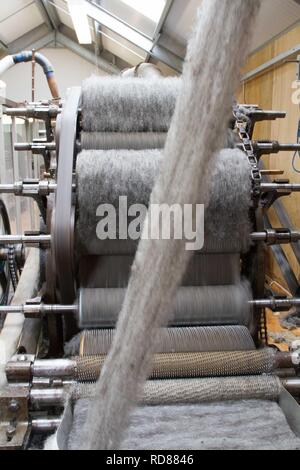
269,198
18,369
14,418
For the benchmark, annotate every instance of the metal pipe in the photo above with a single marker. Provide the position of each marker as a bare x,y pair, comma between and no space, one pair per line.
48,382
40,398
7,188
36,310
35,111
27,56
28,188
272,236
27,288
286,360
276,304
27,240
292,385
279,236
271,146
56,368
20,188
267,187
263,115
16,172
46,425
35,147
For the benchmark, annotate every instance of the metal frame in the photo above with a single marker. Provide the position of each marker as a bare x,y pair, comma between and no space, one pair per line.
86,54
35,39
40,38
15,161
284,219
283,263
49,14
164,15
16,174
115,25
63,230
275,62
2,155
51,32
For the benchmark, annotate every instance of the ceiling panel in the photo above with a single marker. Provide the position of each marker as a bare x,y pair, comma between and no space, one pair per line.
123,10
122,48
180,19
63,13
18,17
9,8
275,16
20,23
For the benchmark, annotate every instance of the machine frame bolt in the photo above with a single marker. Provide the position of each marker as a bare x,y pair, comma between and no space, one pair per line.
10,432
14,406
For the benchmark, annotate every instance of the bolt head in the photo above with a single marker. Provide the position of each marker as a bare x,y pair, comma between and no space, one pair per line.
10,432
13,406
22,358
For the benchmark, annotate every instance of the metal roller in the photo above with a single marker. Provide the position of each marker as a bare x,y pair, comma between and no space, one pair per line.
100,271
217,305
189,339
178,391
164,366
180,365
171,392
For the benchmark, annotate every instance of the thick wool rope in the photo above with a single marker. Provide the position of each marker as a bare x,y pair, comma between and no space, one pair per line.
216,53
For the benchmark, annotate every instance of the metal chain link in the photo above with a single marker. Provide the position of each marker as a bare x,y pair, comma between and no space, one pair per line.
12,266
241,126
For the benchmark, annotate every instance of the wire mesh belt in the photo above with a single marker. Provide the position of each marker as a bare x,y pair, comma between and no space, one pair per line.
179,365
204,306
114,270
180,391
189,339
122,140
105,176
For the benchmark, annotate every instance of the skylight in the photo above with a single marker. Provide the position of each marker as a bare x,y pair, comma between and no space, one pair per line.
151,9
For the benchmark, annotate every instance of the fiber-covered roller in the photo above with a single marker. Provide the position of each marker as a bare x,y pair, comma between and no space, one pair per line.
122,140
207,305
116,104
102,178
180,391
133,140
187,365
105,176
114,270
182,339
